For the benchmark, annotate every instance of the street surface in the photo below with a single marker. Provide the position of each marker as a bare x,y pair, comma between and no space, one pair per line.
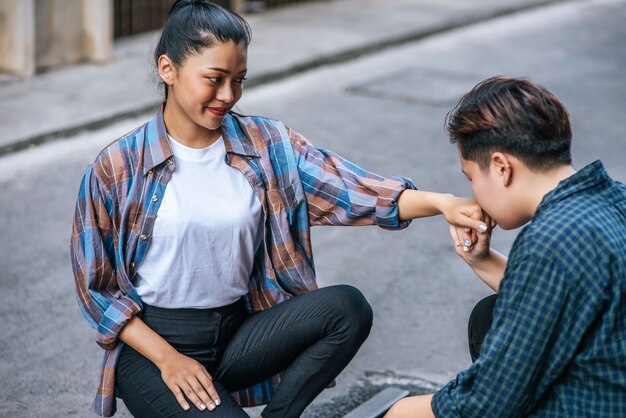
384,112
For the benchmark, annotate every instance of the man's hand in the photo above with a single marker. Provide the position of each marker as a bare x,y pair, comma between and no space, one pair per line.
475,250
480,242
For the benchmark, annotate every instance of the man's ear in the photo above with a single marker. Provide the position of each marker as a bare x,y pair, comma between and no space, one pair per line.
501,166
167,70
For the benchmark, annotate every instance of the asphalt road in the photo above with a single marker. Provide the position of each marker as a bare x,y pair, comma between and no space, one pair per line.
383,111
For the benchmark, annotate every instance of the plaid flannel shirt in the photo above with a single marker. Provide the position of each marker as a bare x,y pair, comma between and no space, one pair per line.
298,186
557,346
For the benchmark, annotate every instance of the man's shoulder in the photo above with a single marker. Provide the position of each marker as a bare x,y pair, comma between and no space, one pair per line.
577,233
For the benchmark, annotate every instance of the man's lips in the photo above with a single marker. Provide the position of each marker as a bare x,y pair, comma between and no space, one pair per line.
218,111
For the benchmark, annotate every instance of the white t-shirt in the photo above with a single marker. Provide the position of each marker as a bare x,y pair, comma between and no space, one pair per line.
206,233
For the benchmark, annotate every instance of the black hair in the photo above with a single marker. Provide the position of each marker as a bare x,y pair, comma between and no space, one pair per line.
194,25
512,115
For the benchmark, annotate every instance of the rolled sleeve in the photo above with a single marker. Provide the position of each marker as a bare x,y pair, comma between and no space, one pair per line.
113,320
443,404
387,212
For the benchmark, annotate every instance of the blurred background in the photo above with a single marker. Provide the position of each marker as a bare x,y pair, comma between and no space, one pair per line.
369,79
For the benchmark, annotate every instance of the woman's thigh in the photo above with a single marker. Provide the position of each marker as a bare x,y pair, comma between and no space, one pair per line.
269,341
145,394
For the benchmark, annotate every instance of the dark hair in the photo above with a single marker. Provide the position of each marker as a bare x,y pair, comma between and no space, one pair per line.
194,25
512,115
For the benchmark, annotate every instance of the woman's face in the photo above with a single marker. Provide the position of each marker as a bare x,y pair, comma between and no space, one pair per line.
207,85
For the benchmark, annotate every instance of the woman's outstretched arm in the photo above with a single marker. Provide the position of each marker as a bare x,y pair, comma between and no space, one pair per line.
458,211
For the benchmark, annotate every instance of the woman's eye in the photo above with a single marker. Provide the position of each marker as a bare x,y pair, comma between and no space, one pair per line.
215,80
240,80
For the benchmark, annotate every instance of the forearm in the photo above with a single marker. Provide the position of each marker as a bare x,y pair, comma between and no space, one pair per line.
414,204
412,407
490,269
147,342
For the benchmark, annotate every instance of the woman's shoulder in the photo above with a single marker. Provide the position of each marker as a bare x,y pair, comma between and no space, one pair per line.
120,154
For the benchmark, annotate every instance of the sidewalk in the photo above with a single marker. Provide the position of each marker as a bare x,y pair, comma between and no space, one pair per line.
285,41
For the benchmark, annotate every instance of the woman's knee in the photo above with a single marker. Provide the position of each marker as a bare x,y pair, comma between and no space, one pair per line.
351,306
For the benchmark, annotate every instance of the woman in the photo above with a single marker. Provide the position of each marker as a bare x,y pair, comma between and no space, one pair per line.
191,246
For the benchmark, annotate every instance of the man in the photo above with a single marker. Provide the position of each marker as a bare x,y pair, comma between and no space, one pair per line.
557,343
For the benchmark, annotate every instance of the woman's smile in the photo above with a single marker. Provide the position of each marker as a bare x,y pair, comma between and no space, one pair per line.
218,111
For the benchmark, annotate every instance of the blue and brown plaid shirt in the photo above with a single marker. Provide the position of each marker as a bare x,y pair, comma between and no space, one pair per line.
557,346
298,186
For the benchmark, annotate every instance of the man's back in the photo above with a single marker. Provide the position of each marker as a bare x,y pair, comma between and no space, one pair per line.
567,271
557,345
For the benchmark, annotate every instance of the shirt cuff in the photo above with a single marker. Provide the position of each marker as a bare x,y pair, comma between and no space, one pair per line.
442,403
387,204
113,320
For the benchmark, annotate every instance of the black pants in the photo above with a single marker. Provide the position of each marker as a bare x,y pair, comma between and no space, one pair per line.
479,324
309,338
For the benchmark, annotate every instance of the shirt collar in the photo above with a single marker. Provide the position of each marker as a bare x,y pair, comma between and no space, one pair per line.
588,177
235,140
157,148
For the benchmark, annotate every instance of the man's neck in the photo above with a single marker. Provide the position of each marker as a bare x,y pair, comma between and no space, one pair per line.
542,183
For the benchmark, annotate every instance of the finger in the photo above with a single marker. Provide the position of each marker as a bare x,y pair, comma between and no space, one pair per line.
481,227
468,237
178,394
472,219
207,382
188,389
198,388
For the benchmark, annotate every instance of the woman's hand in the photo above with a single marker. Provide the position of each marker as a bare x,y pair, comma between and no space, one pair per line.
185,377
462,212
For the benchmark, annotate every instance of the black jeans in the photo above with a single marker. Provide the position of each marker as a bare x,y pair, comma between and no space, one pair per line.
479,324
309,339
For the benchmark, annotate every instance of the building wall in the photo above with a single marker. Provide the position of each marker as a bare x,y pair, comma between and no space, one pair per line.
39,34
58,34
17,37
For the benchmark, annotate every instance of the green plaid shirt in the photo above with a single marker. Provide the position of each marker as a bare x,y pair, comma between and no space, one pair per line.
557,346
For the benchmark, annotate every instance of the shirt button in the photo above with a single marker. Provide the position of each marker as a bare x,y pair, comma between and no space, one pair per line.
155,198
143,237
248,157
149,171
170,161
132,264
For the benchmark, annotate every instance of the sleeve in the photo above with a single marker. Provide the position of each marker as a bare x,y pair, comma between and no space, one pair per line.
101,301
339,192
540,319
